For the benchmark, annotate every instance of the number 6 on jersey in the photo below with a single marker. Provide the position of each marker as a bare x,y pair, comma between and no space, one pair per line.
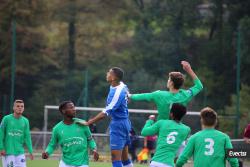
171,137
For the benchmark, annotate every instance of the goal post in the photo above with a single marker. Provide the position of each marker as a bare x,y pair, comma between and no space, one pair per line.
47,108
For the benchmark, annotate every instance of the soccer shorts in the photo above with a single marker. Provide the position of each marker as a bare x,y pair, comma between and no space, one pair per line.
62,164
14,160
119,134
151,145
181,148
158,164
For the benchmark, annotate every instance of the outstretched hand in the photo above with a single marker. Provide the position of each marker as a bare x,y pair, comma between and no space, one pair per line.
86,123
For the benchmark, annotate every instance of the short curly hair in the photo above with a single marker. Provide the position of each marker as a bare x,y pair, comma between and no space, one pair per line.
63,104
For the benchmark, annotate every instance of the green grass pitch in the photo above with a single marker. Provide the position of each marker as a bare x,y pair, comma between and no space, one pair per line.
55,163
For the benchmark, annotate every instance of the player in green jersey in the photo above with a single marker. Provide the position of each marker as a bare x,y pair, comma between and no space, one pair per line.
164,99
208,147
73,138
171,134
14,133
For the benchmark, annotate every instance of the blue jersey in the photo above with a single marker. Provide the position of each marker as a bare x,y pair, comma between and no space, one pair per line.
117,109
117,102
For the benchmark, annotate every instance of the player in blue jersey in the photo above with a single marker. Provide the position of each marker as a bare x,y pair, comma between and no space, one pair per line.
120,125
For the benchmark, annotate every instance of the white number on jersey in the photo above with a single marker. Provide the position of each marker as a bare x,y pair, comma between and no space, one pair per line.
209,146
171,137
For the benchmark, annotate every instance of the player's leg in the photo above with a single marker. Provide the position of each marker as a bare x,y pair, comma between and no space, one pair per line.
116,158
9,160
4,161
151,147
125,158
20,160
116,145
116,142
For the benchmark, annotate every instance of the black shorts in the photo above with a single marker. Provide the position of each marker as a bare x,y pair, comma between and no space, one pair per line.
151,145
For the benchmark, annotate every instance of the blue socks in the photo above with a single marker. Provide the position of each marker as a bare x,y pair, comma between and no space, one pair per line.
117,163
127,163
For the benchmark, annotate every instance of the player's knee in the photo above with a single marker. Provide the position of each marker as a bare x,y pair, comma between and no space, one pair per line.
115,157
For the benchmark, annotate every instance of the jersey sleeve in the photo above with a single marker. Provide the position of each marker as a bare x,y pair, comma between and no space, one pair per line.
27,137
233,161
196,88
150,128
187,153
2,133
53,142
91,141
144,96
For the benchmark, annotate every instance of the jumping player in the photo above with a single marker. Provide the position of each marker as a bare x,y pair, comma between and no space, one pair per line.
164,99
120,125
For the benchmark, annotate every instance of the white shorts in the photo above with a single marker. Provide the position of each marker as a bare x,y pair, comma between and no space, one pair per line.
62,164
158,164
14,160
181,148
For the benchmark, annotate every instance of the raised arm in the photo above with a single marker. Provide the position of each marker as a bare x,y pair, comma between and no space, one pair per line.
98,117
187,67
197,83
150,128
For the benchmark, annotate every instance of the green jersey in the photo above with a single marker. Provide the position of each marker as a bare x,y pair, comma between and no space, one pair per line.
74,141
170,136
164,99
208,148
15,132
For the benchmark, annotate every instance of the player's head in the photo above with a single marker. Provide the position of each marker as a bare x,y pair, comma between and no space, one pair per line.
18,107
67,108
208,117
177,111
175,80
115,74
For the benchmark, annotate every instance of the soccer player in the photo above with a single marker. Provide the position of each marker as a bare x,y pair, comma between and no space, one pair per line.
120,125
73,138
150,141
164,99
15,132
208,147
171,134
